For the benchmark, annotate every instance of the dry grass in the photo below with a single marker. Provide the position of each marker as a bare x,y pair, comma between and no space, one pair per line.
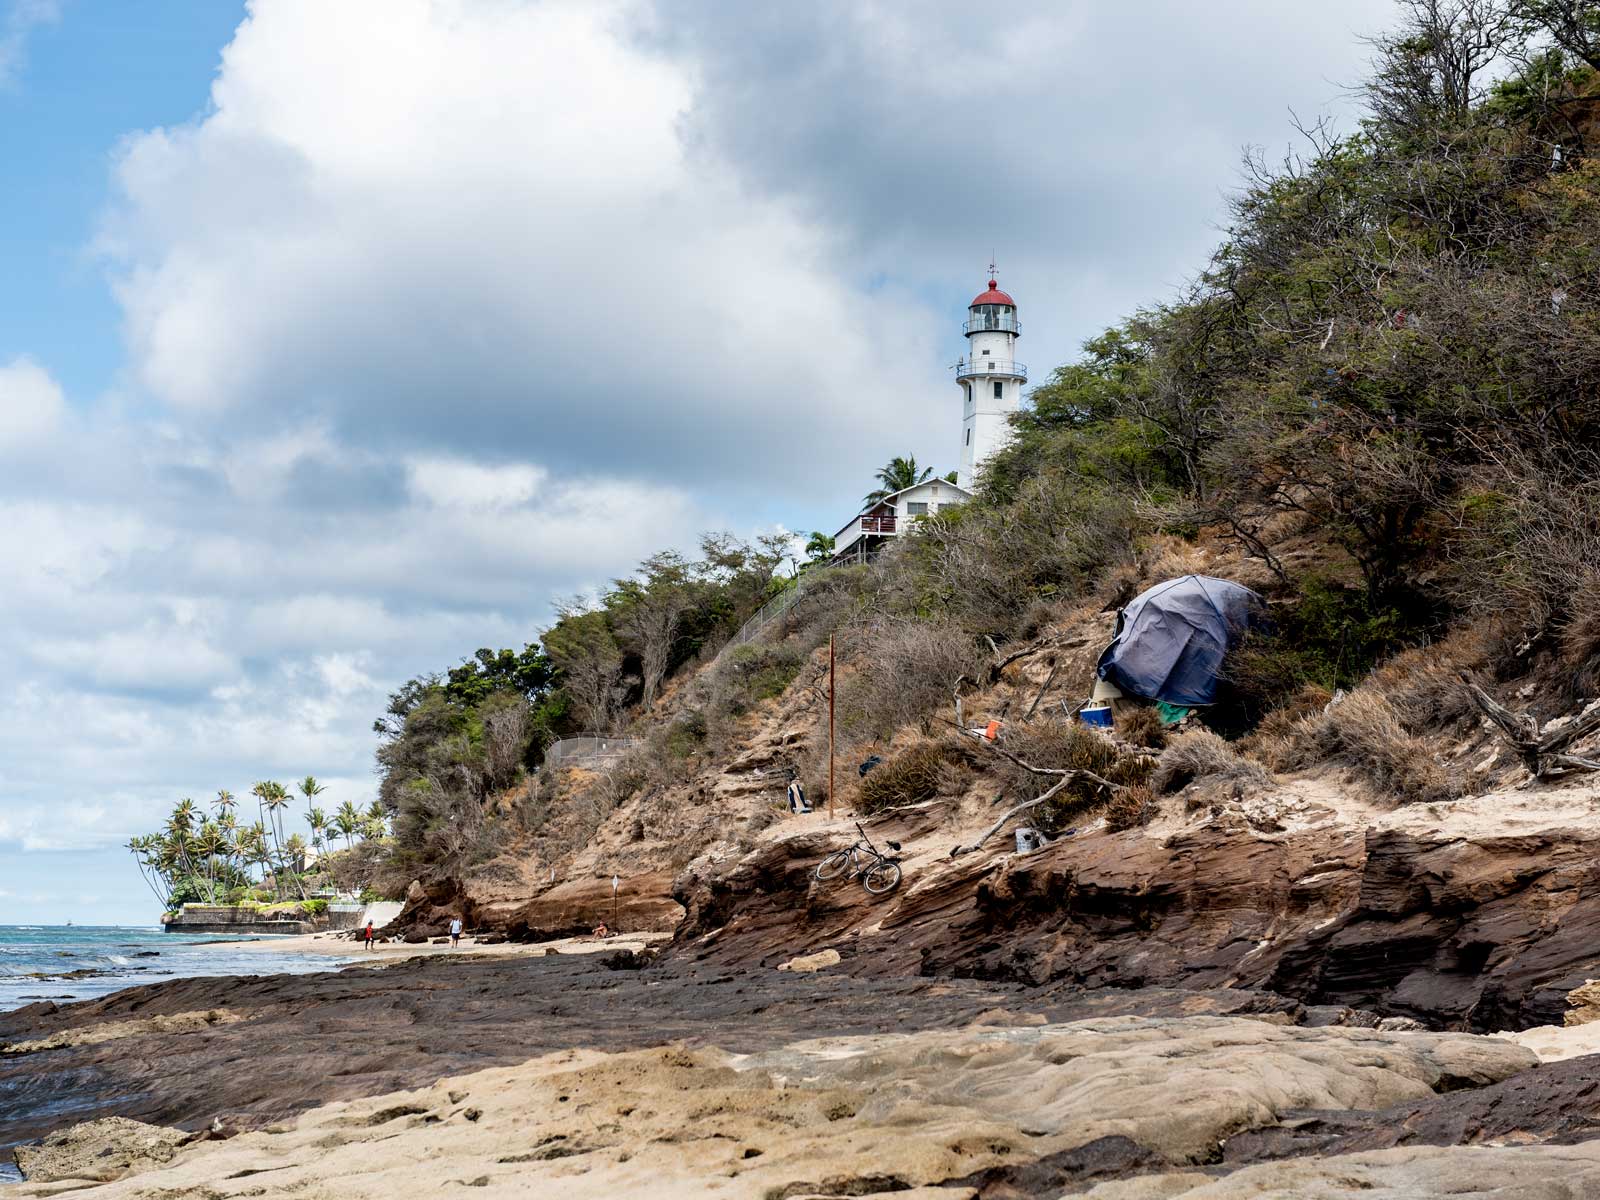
911,777
1166,557
905,671
1281,722
1580,636
1423,684
1201,754
1364,732
1130,808
1057,746
1141,726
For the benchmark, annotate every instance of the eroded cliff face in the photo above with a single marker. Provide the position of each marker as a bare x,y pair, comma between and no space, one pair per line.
1478,916
1474,914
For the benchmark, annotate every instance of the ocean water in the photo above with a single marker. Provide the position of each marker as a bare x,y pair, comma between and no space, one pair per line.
80,962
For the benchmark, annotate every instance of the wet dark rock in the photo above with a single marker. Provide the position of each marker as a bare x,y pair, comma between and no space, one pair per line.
362,1032
1104,1158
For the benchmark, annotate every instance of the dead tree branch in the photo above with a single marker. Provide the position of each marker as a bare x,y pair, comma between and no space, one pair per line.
957,851
1542,750
1065,777
1002,661
1045,687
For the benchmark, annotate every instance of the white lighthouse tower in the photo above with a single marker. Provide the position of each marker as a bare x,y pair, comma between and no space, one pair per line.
990,376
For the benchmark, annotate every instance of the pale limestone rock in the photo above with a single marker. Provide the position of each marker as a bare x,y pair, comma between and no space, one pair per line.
811,962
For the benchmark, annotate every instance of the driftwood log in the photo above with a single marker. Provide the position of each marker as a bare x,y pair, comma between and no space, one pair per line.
1543,751
1065,777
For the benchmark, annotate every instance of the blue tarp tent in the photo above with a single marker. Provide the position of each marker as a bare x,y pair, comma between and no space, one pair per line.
1171,640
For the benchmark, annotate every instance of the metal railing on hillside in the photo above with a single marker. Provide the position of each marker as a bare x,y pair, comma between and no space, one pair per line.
765,615
588,751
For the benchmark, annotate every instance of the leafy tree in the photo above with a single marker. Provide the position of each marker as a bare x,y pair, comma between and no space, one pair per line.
526,672
590,664
647,611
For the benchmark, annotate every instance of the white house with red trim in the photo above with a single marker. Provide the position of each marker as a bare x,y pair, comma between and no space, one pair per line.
991,381
892,516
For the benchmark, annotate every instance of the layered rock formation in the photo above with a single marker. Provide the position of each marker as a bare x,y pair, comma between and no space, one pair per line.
1476,915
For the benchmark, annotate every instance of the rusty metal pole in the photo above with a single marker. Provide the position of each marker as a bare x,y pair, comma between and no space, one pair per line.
830,727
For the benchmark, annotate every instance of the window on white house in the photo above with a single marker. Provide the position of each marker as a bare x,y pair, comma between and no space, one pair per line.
969,437
916,508
999,390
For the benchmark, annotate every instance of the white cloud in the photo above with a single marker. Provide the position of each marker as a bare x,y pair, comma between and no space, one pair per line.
161,645
17,23
445,308
156,656
454,483
31,405
464,229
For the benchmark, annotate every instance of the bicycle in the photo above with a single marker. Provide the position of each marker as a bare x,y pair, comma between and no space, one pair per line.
879,873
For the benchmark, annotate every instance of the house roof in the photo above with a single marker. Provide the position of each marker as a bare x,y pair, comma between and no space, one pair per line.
961,493
993,296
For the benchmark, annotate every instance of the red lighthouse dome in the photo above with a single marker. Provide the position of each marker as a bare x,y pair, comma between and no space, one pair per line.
993,296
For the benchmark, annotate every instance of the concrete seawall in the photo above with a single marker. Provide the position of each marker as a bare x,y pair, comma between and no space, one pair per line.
223,918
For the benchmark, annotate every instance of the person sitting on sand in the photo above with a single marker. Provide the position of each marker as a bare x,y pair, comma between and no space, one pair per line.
600,930
455,932
368,935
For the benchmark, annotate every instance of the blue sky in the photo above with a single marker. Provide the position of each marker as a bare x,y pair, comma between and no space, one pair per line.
337,340
80,82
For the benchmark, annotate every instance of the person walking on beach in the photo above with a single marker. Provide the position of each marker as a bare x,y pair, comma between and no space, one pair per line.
455,932
368,935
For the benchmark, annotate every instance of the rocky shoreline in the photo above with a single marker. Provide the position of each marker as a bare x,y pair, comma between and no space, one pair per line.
271,1052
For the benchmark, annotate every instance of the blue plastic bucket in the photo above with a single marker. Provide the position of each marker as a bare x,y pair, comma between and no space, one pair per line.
1097,715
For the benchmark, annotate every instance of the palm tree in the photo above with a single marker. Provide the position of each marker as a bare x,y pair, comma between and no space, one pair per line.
180,834
900,474
311,789
225,803
274,797
820,546
295,851
347,822
318,820
253,845
378,817
210,842
143,850
228,825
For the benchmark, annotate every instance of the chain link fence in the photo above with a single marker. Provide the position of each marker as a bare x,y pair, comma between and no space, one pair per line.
588,751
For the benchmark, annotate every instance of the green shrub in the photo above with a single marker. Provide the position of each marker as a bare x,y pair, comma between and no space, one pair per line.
754,672
685,735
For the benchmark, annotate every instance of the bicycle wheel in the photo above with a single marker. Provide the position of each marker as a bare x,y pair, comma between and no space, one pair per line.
881,878
835,865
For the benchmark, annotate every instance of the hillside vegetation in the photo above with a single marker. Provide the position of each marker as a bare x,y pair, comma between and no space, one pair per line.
1378,404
